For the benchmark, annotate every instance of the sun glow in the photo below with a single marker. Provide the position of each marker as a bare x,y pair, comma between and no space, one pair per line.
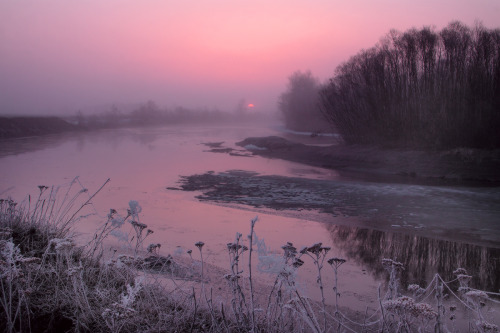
251,105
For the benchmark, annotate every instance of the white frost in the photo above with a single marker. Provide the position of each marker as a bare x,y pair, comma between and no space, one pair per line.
254,147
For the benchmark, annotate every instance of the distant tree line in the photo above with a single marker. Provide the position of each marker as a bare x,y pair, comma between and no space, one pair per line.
149,113
420,88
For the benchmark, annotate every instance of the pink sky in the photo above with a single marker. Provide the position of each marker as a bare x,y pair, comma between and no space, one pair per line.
60,56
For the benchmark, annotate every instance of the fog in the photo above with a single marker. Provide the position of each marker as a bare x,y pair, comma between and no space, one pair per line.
59,57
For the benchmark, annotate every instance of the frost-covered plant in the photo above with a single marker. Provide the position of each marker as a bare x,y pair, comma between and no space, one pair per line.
116,314
336,263
154,248
134,209
13,290
318,253
416,290
409,314
394,268
238,301
138,227
113,222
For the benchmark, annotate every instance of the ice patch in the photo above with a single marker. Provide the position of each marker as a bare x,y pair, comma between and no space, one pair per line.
254,147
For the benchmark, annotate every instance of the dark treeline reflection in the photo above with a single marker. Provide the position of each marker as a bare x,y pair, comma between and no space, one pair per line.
422,257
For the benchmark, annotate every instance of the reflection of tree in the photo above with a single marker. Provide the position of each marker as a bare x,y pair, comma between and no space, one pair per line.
421,256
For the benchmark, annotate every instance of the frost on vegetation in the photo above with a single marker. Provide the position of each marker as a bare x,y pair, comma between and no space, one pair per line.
120,235
126,260
118,311
476,295
75,270
10,257
459,271
416,290
61,245
390,265
117,221
5,232
405,305
267,262
487,327
134,210
129,297
154,248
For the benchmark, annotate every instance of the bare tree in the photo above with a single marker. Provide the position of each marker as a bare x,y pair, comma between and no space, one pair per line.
299,103
420,88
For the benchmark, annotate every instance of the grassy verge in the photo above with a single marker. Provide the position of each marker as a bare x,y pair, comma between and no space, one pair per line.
48,283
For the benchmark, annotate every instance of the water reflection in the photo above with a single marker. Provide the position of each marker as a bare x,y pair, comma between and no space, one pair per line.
18,146
114,138
421,256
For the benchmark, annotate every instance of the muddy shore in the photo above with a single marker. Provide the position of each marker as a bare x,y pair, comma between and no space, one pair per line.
461,166
378,189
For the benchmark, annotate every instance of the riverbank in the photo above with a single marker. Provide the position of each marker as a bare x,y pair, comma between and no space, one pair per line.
460,166
16,127
52,284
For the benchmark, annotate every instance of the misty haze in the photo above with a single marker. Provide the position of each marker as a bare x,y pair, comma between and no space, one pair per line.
249,167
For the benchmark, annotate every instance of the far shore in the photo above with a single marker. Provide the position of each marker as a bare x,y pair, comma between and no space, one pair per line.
16,127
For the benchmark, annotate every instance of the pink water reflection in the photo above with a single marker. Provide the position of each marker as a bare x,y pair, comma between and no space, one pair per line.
142,163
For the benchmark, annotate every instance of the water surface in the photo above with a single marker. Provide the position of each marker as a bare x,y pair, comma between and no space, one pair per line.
428,228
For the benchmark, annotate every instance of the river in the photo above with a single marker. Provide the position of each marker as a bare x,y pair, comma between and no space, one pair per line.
430,229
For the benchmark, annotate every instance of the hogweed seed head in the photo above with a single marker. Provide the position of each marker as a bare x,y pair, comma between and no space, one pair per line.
390,264
315,248
463,278
138,225
460,271
290,250
476,295
406,305
153,248
297,262
336,262
416,289
42,188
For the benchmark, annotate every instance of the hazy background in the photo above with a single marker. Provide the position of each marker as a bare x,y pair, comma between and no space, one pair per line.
60,56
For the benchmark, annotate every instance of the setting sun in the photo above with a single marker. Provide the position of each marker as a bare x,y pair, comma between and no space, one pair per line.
251,105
